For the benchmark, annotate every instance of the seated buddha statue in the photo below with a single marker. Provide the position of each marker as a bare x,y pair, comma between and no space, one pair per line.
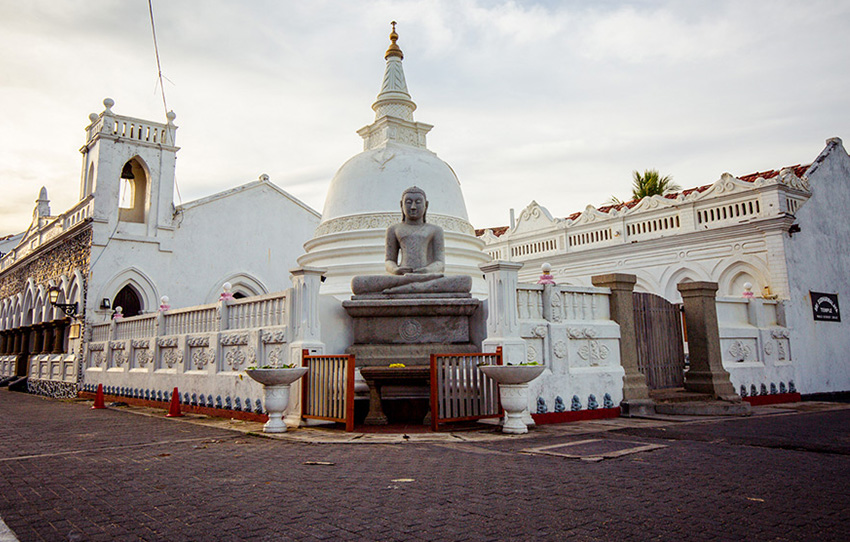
415,256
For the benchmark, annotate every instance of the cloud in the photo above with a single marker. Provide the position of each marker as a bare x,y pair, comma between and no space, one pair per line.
554,101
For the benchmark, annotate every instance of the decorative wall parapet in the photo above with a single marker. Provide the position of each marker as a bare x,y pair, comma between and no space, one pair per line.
568,329
44,232
728,201
203,350
121,127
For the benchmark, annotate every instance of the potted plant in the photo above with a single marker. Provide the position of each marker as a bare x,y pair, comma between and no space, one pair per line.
513,391
276,382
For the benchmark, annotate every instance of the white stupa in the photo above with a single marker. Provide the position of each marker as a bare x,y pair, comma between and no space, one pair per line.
363,199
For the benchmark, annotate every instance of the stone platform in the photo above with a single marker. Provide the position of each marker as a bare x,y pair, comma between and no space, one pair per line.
409,328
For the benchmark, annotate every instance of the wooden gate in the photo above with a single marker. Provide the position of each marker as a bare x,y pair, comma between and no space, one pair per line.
460,391
658,330
327,391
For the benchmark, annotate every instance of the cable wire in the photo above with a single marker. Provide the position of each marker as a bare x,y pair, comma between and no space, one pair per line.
156,51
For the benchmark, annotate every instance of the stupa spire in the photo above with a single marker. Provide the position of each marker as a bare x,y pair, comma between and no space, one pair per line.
394,100
394,49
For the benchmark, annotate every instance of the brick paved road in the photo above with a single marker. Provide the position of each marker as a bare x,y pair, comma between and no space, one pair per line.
70,473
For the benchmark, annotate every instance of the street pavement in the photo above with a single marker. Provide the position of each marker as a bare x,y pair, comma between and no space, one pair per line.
71,473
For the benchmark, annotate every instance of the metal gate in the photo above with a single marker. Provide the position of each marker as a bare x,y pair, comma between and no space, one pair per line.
658,333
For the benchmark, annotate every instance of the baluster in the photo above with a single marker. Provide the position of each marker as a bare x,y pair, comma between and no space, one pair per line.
467,386
340,388
317,386
325,386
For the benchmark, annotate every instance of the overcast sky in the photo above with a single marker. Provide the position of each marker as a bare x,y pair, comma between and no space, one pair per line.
550,101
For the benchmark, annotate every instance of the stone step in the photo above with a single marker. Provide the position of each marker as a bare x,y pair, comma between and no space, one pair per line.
19,385
704,408
678,395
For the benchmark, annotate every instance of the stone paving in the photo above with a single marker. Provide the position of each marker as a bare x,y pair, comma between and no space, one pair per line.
71,473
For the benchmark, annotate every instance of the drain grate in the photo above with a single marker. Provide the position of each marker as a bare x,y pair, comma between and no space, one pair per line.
594,449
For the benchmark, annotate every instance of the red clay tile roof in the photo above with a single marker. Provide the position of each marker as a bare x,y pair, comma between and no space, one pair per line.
799,170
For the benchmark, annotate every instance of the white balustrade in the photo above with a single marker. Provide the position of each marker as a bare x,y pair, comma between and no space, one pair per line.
530,301
259,311
200,319
136,327
100,332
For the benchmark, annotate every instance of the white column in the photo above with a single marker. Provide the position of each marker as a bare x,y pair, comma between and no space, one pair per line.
503,317
302,304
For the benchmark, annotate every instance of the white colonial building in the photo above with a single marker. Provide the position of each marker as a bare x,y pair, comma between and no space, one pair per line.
125,244
784,232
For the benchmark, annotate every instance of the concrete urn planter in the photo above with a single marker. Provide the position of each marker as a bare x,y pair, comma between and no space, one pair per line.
276,384
513,392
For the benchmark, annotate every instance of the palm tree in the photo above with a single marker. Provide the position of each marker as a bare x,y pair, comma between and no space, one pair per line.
651,183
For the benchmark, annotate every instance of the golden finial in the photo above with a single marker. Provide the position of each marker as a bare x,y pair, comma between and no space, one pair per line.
394,49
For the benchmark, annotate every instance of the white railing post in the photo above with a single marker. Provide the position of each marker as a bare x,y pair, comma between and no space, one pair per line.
303,321
222,314
503,317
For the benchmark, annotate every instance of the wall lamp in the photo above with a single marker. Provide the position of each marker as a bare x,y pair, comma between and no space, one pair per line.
70,309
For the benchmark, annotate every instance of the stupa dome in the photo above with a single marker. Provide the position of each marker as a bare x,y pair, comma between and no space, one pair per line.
373,181
364,196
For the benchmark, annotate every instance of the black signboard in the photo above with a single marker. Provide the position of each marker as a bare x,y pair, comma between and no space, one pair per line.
825,307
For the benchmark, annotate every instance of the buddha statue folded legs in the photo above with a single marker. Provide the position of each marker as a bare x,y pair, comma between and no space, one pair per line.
415,256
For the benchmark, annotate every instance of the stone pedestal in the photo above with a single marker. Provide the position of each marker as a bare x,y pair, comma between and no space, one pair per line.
408,329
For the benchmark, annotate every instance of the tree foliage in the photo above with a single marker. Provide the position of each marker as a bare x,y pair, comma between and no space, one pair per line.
650,183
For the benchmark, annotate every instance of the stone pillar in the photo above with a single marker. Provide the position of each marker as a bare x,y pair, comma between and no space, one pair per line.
706,373
2,342
302,305
636,401
59,336
37,339
22,365
502,315
48,332
16,347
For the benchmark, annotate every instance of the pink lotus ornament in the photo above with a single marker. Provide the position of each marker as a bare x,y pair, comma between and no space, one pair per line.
546,277
225,294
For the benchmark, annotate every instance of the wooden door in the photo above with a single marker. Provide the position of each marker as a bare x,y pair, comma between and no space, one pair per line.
661,352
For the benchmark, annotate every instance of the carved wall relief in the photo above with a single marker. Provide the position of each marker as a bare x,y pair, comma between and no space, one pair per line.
739,351
143,357
170,357
234,339
274,337
780,335
201,357
589,348
237,358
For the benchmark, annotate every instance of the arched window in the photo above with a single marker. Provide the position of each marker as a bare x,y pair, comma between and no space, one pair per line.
132,193
129,301
88,183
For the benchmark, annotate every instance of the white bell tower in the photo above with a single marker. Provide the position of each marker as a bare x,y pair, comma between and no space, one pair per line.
128,170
